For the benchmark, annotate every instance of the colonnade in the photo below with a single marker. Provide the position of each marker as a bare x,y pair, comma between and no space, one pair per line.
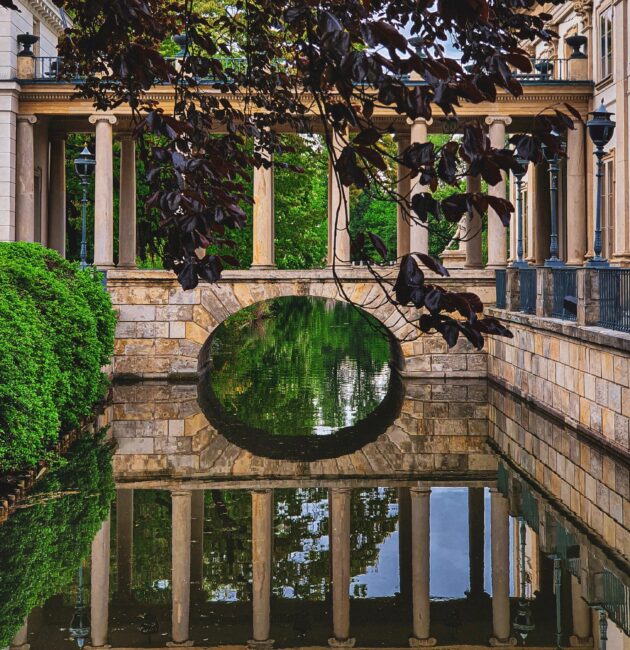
411,235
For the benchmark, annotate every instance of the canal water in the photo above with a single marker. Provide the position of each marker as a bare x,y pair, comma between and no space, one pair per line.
303,494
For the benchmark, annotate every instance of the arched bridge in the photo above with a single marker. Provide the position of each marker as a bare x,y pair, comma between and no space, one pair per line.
162,329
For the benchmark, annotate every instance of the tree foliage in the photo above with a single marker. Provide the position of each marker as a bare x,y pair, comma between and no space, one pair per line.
310,67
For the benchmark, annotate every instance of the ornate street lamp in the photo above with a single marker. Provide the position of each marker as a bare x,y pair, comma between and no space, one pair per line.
519,262
84,166
600,128
523,620
80,623
552,158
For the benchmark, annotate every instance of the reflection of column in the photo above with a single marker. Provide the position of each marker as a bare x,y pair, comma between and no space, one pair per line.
418,234
25,179
404,543
262,545
57,195
497,253
421,566
581,617
20,640
473,226
263,255
196,536
180,521
339,531
99,589
476,538
500,537
127,203
403,189
104,191
124,540
338,211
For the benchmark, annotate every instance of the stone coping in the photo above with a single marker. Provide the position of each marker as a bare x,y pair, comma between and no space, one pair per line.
587,334
245,647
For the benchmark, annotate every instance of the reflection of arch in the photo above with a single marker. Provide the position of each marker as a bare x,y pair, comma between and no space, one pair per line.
302,448
239,301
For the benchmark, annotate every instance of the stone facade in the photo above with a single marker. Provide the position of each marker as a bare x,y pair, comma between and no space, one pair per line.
581,374
162,329
162,436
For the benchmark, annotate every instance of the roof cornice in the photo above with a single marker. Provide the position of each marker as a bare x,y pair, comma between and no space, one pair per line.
48,12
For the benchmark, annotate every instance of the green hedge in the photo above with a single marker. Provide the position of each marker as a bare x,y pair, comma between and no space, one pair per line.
56,331
44,542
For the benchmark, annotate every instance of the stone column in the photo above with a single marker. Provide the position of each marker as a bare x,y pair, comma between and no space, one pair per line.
500,536
339,531
420,567
25,179
99,588
127,203
263,256
581,636
262,550
403,223
418,234
20,640
476,538
471,228
104,191
57,195
497,246
338,211
124,541
576,195
180,519
197,528
404,543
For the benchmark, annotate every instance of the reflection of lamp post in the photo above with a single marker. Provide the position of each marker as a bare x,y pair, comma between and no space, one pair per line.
519,262
523,620
557,581
603,628
601,129
84,166
552,158
80,623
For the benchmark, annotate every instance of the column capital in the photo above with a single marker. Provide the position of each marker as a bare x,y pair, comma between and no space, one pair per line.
125,135
420,120
499,119
262,491
181,493
31,119
341,490
420,491
102,117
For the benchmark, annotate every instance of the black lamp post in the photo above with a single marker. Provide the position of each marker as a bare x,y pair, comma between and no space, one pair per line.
80,623
600,128
84,166
554,261
519,262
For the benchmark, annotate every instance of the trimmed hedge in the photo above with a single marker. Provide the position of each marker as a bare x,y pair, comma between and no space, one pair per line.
56,332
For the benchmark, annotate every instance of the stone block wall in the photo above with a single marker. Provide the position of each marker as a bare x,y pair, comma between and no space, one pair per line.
581,374
589,482
162,329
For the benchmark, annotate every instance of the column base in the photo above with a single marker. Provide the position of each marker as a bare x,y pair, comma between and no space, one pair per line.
578,642
263,267
97,647
455,259
341,643
260,645
414,642
502,643
182,644
497,266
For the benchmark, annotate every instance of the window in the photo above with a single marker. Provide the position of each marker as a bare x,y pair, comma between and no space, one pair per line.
605,44
608,208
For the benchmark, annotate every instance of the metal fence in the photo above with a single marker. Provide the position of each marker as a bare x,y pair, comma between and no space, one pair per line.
614,299
527,281
545,70
564,294
501,286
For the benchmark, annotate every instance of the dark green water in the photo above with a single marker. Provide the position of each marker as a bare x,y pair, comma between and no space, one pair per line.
300,366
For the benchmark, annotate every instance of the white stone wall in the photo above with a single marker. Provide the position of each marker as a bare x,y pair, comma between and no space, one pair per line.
8,124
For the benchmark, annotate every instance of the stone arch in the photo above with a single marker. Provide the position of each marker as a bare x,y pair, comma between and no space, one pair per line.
220,301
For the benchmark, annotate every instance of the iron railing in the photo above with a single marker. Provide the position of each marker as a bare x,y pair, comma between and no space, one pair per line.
614,299
546,70
527,281
501,286
616,600
564,293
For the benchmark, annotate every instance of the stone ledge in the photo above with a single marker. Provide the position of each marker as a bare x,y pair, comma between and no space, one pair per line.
587,334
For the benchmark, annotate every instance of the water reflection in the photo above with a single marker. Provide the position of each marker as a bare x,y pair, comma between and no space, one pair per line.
425,534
